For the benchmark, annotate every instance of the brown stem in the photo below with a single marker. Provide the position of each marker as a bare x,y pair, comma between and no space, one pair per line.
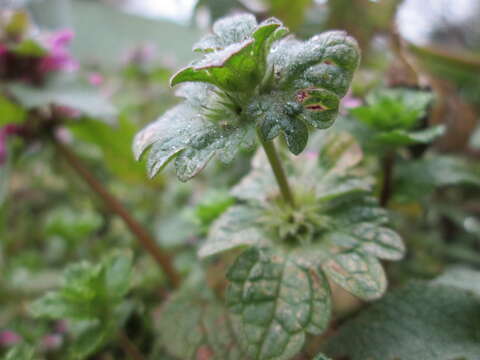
129,347
388,163
145,239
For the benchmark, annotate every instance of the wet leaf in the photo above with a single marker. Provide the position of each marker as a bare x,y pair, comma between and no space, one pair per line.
250,78
184,134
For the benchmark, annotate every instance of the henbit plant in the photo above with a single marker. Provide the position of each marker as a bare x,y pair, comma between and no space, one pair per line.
327,228
391,120
39,95
92,298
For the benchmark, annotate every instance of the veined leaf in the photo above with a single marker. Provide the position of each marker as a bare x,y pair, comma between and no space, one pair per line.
250,81
194,325
276,302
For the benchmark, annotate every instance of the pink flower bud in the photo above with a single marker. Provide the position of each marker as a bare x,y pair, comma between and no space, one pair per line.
95,79
52,342
9,338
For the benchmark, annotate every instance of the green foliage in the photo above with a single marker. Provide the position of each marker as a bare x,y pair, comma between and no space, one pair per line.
71,225
193,324
417,179
393,117
10,112
247,79
64,91
111,140
436,320
276,299
92,297
20,352
278,287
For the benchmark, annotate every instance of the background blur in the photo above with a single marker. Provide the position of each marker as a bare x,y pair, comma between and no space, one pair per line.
129,49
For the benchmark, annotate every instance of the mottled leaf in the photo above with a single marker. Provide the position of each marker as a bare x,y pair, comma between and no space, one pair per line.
276,302
358,273
194,325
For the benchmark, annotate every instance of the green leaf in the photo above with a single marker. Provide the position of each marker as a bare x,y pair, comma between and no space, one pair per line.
321,357
64,92
10,112
53,306
461,277
405,138
250,81
194,325
182,133
277,302
378,241
89,292
360,274
118,271
335,233
91,338
393,117
417,179
29,47
17,24
236,56
233,229
393,109
420,321
20,352
111,140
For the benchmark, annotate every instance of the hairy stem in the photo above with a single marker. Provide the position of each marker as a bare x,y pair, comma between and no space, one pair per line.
144,238
388,164
278,171
129,347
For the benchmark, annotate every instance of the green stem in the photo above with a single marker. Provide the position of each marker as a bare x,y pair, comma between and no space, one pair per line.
278,171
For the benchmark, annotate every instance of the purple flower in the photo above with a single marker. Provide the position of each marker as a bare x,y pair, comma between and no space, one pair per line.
59,57
95,79
9,338
3,49
61,326
141,54
52,342
350,102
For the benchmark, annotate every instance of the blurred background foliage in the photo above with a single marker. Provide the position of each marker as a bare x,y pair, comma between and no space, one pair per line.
129,49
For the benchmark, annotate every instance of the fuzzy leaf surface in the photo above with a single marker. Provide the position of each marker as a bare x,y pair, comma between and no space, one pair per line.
251,80
194,325
430,321
276,302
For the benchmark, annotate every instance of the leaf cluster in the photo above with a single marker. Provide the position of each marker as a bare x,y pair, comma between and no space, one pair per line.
92,298
251,79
